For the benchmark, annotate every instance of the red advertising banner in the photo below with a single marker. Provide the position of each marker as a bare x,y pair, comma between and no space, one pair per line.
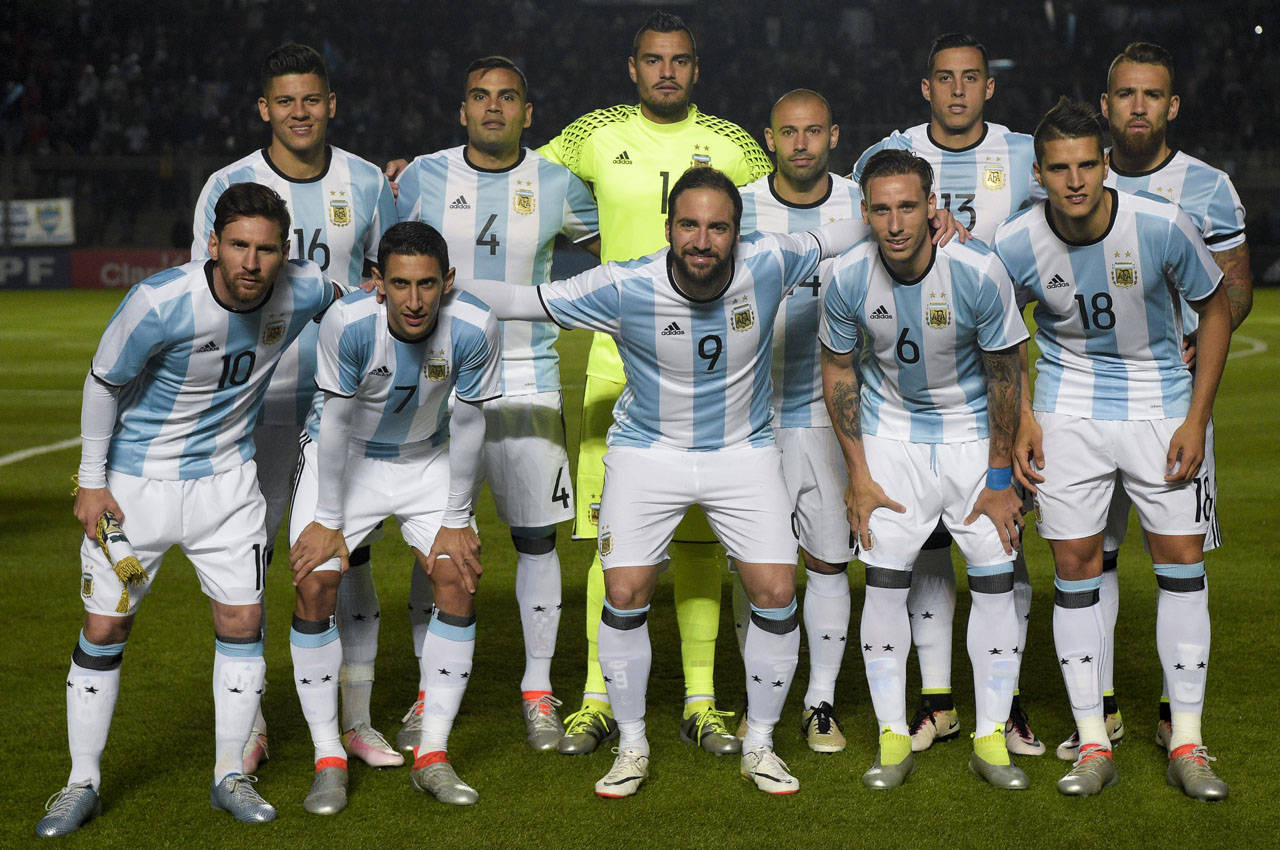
107,268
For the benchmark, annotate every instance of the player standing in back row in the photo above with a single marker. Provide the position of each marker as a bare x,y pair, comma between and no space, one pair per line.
631,157
501,206
982,174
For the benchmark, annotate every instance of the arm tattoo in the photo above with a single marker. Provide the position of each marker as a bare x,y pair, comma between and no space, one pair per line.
1004,398
1237,280
844,401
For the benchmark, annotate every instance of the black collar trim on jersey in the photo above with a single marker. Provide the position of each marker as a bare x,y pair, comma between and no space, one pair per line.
933,257
831,185
208,277
1121,172
328,159
1115,208
733,268
510,167
929,132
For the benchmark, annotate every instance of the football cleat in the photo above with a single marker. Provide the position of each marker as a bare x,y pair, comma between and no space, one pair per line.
1164,734
893,763
68,810
706,729
1094,770
821,728
769,773
990,761
586,729
542,723
1068,750
1190,772
328,794
367,744
441,781
1018,737
255,751
411,732
929,727
629,771
236,795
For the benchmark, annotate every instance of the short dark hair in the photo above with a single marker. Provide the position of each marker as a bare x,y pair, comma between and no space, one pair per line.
413,239
249,200
293,58
892,162
490,63
1069,119
1143,53
705,177
950,40
661,21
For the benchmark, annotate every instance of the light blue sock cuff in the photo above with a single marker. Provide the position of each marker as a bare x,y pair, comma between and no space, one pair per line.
99,650
1195,570
776,613
313,641
457,632
1083,585
624,612
993,570
233,649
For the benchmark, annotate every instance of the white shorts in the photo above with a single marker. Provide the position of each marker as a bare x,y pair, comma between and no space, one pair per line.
647,491
525,461
933,481
1084,459
216,520
1118,514
414,491
276,453
816,478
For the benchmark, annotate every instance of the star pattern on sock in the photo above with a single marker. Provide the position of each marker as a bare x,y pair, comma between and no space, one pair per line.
466,675
756,679
236,690
888,647
444,672
359,618
926,615
90,690
866,647
327,678
608,681
1179,666
1064,661
777,683
995,650
1201,665
1088,659
305,681
826,637
69,684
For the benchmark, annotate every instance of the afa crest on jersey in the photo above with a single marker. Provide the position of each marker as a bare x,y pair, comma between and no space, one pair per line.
742,317
993,177
339,209
938,311
436,368
701,156
1122,273
273,331
523,202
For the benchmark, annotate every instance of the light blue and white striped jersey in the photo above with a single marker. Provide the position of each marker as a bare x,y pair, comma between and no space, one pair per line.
921,365
1203,192
502,225
402,388
797,369
194,372
698,376
337,219
1107,312
982,184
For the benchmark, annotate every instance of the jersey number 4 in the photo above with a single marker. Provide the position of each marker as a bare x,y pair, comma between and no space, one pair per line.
487,238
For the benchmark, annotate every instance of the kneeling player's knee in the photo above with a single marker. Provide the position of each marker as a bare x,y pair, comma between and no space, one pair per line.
237,621
534,541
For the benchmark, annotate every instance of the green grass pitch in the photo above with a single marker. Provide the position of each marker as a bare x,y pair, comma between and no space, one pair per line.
157,767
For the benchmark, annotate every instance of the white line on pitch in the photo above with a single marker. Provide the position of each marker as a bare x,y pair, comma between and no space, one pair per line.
1255,346
38,450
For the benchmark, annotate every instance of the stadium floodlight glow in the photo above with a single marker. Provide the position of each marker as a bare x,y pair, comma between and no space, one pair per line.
1257,30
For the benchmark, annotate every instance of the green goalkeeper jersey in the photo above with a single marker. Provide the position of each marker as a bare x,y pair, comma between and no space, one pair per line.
631,163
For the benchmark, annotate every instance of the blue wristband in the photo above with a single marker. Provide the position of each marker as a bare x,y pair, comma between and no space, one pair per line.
999,478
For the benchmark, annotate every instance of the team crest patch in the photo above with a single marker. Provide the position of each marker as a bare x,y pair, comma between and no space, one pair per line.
1122,273
86,583
742,317
606,543
339,209
701,156
436,369
938,311
273,332
523,201
993,177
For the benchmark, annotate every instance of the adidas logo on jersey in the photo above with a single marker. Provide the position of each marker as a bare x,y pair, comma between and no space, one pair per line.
460,203
207,347
672,330
1056,282
622,159
880,313
380,372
